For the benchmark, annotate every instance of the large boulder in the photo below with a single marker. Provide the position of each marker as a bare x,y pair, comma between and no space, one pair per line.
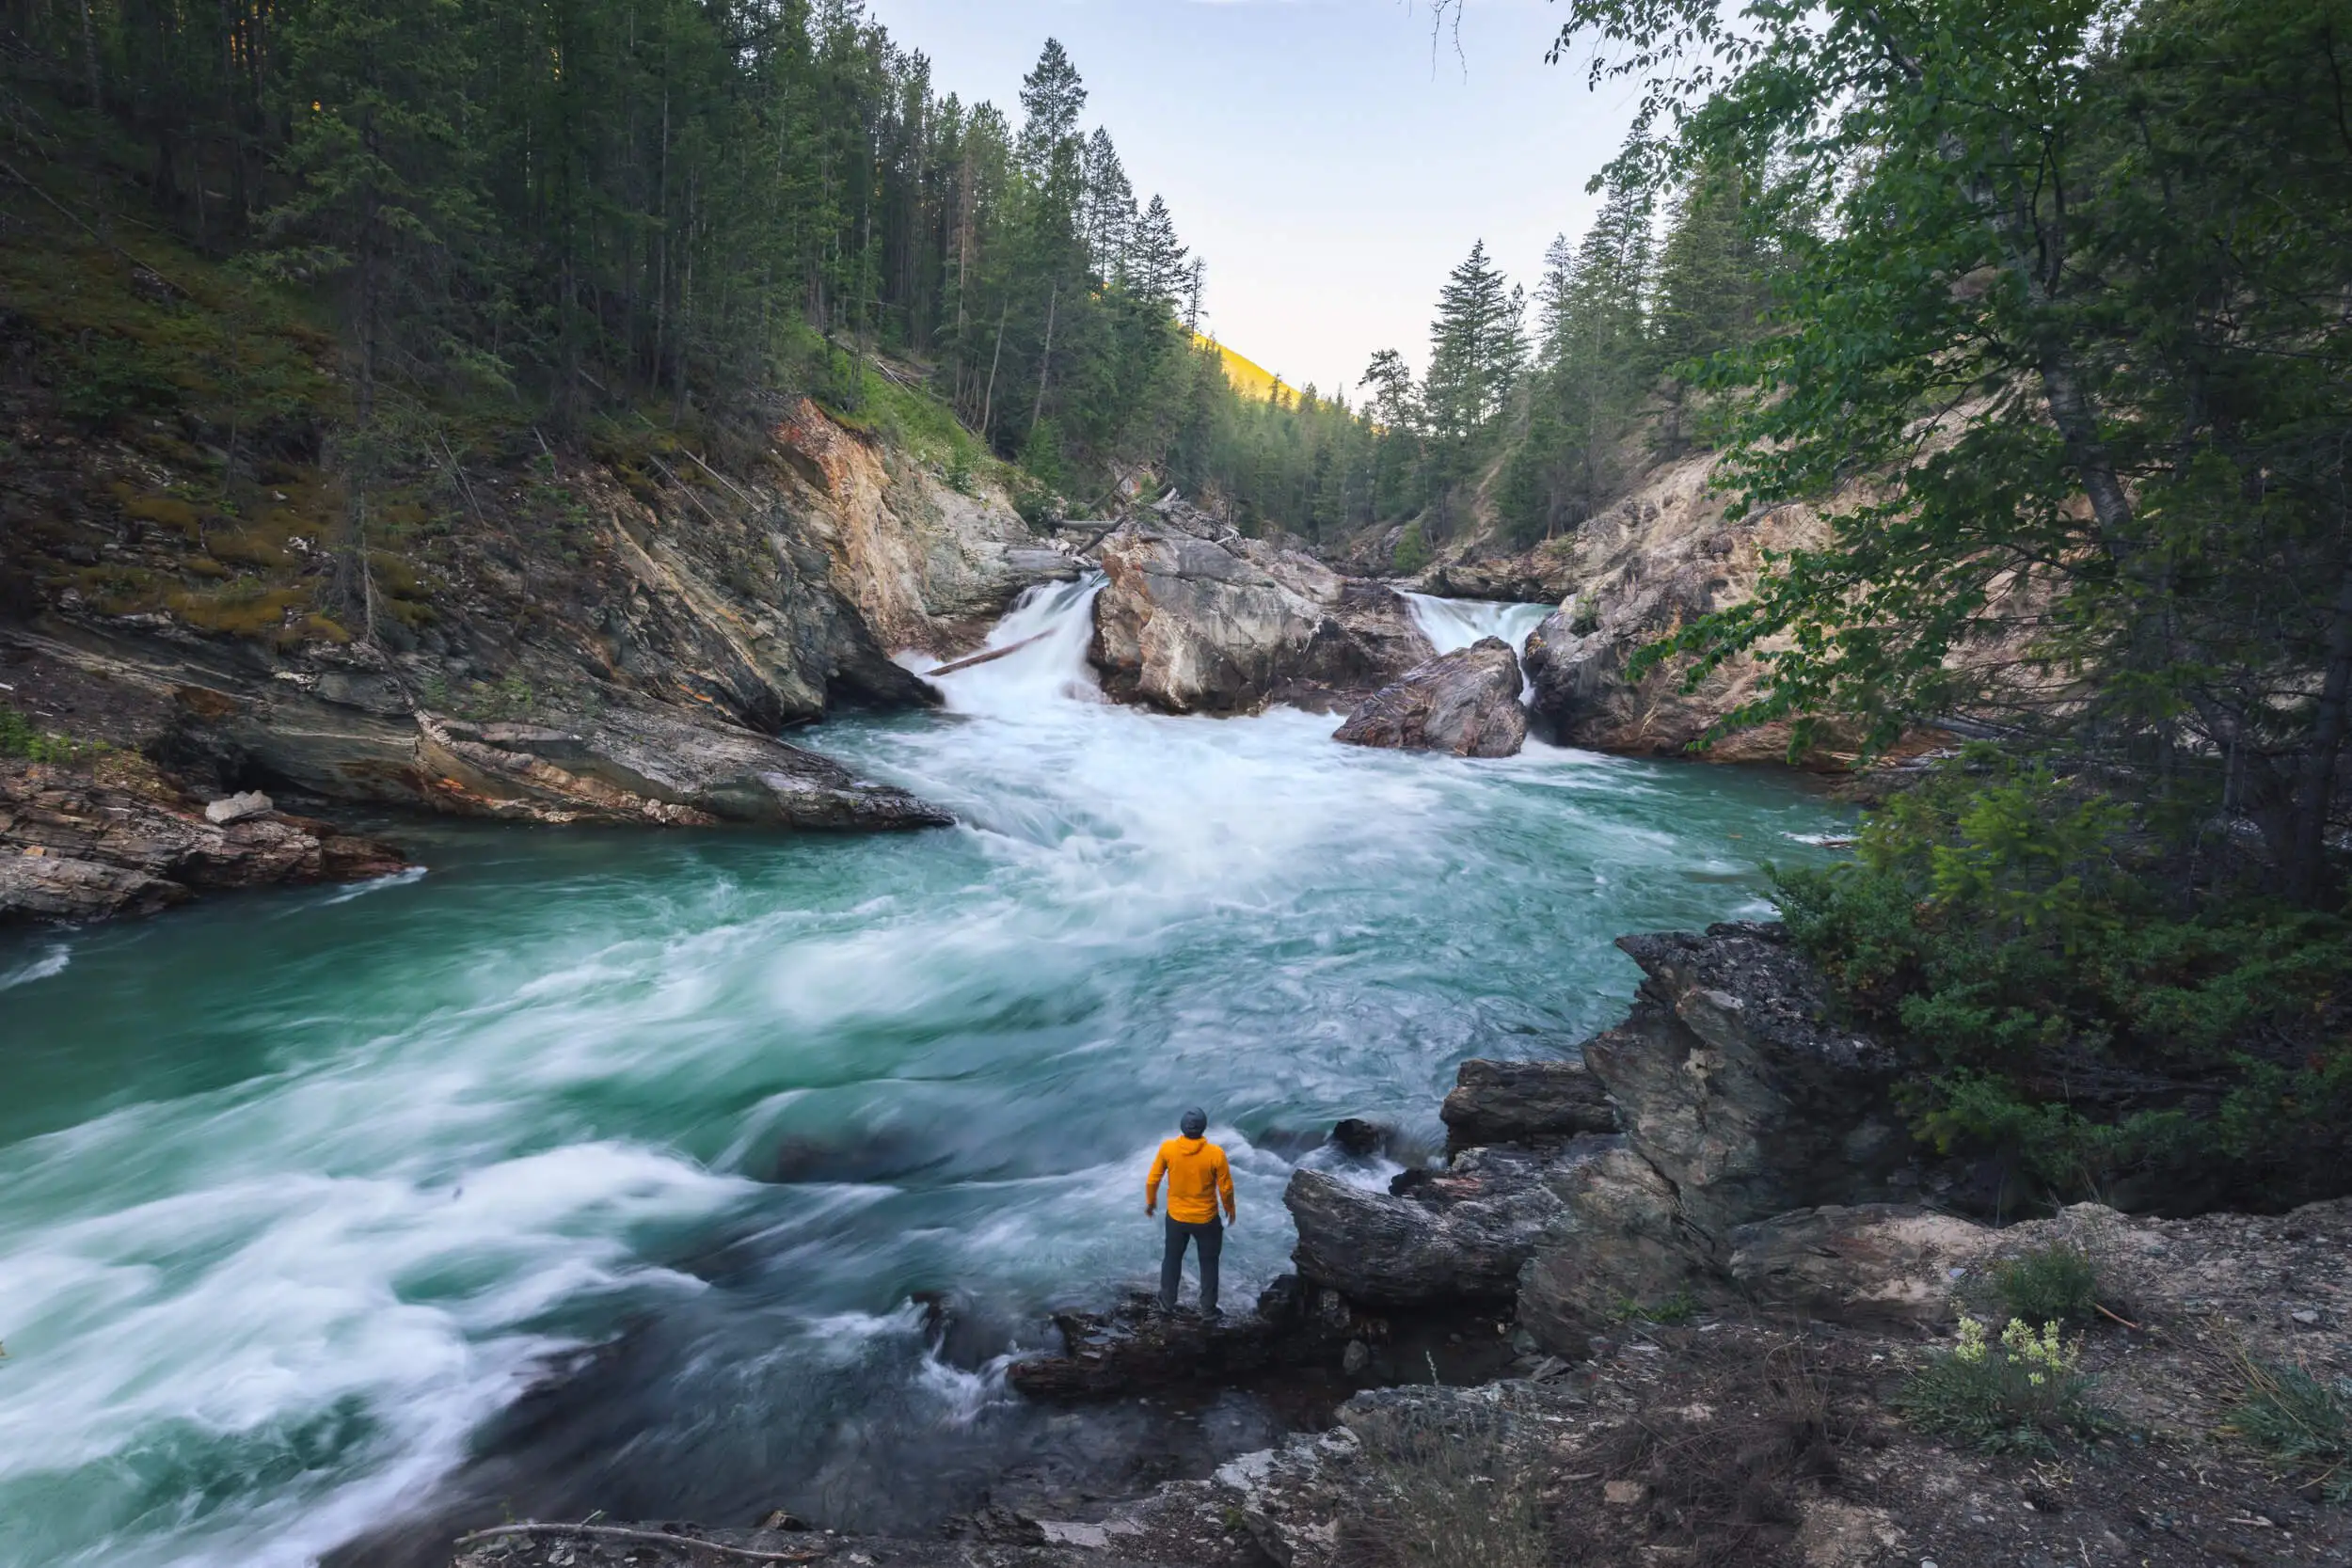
1872,1263
1466,702
1437,1236
1524,1102
648,766
1572,677
1620,1246
1192,622
1739,1100
1734,1079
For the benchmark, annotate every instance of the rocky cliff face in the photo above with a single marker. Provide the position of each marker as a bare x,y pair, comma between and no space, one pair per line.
612,633
1660,557
1197,619
1662,554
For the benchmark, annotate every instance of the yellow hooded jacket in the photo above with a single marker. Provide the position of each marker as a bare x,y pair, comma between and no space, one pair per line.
1198,1177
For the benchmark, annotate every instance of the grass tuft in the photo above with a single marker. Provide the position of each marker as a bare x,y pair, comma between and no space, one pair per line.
2302,1420
1454,1491
2051,1284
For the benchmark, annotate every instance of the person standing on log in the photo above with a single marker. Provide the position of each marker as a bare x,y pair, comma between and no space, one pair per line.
1198,1181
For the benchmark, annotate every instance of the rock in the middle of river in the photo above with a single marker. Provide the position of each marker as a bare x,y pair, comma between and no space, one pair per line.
1466,702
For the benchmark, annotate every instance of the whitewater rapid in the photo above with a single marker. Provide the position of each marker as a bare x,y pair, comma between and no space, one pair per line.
304,1191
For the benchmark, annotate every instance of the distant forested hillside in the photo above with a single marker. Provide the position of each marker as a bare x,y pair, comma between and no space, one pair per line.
599,209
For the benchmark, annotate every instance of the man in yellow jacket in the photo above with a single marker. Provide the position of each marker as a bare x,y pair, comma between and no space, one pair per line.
1198,1180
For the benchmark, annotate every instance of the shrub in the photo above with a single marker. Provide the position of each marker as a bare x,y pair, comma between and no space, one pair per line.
19,739
1677,1309
2302,1420
1412,552
2084,1013
2051,1284
102,379
2018,1396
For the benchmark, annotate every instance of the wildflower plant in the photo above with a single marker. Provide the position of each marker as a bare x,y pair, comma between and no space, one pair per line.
2017,1394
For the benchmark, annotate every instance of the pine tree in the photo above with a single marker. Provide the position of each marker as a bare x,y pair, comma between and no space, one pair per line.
1110,217
1477,351
1052,99
1157,269
385,198
1595,370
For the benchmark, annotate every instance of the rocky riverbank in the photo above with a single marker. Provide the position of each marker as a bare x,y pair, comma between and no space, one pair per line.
615,635
1683,1284
113,837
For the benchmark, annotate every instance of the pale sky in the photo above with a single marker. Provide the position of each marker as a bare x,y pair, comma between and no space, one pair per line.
1329,166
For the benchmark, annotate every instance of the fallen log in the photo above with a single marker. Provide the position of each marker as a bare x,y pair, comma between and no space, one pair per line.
988,657
618,1532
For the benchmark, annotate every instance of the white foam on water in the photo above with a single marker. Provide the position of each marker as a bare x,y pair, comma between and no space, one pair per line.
401,878
49,964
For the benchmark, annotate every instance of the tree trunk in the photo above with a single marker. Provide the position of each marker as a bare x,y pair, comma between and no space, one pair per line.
1045,364
2315,794
90,58
987,403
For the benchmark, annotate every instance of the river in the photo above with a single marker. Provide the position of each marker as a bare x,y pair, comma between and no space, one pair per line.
303,1191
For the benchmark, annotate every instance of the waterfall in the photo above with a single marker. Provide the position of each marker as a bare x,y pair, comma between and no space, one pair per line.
1040,646
1455,624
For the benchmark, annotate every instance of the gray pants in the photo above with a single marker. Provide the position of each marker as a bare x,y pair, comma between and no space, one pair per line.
1212,1239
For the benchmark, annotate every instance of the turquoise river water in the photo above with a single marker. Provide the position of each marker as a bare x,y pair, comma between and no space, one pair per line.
301,1195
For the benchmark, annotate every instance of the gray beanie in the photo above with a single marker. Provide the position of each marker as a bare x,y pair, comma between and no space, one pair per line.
1195,1122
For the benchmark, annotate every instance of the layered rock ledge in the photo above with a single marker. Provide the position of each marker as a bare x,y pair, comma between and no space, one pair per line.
80,844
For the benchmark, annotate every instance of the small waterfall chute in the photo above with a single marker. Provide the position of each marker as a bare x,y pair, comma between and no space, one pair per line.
1033,658
1452,624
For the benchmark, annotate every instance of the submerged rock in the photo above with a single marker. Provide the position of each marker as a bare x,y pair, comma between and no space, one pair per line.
1466,702
1507,1102
1193,623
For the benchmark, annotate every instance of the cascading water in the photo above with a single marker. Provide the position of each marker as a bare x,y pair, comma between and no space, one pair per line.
303,1191
1455,624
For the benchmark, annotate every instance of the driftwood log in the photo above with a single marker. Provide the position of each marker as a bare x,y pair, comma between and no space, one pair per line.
657,1538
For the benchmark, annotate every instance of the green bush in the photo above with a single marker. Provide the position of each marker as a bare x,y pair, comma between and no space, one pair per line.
19,739
2081,1014
1413,553
2051,1284
2019,1395
2302,1420
1680,1308
102,378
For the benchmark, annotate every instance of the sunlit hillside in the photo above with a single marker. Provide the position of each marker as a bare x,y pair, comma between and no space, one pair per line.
1249,378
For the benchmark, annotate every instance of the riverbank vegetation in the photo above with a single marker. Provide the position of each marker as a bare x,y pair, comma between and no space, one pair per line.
2055,342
